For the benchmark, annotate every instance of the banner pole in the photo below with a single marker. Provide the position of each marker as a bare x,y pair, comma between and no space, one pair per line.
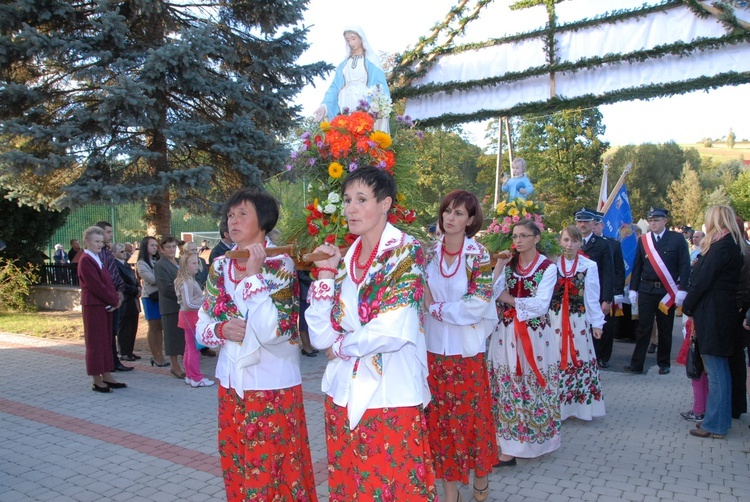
616,189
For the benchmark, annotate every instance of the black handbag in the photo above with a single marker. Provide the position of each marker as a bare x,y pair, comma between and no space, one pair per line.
694,363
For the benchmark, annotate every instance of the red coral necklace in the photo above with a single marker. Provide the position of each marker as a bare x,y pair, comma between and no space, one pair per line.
444,252
573,268
354,265
523,272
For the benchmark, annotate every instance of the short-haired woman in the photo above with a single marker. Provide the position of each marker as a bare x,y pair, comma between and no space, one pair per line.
251,309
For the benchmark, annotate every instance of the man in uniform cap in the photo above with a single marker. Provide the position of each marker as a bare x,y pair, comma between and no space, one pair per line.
597,249
603,345
649,283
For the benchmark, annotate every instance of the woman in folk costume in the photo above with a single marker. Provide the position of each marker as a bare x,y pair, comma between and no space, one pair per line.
524,352
263,444
576,314
461,317
366,311
360,71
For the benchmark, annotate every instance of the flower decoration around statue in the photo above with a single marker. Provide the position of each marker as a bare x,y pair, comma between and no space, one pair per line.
498,238
344,144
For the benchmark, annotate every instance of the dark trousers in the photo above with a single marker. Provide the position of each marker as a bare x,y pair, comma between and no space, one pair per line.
128,327
115,324
648,309
603,346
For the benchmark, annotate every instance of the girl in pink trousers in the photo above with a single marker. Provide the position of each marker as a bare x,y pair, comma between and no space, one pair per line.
190,298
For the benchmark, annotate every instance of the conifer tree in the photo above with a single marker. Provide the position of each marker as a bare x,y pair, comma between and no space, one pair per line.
171,102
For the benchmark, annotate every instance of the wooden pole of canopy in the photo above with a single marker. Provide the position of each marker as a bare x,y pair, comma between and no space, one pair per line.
499,162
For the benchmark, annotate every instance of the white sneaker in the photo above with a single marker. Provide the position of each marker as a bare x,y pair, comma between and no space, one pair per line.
188,381
202,383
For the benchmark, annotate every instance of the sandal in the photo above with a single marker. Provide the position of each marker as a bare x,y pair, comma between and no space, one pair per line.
481,495
308,354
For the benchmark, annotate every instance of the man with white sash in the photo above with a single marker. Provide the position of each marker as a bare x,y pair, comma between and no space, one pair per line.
658,284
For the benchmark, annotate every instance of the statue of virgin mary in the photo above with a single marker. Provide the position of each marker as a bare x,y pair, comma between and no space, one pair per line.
355,77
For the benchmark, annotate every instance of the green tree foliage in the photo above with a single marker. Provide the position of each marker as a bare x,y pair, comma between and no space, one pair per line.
15,286
563,155
446,161
731,138
685,197
172,102
26,230
719,174
739,191
655,167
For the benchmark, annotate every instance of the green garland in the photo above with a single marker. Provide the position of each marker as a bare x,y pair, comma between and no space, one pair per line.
590,100
674,49
403,74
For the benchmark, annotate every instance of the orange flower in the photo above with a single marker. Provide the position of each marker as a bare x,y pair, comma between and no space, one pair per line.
340,121
360,123
390,159
339,143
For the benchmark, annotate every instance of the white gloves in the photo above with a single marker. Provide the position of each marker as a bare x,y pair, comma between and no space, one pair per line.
680,297
633,295
619,299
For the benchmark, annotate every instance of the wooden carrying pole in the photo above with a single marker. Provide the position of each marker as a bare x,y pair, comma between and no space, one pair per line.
616,189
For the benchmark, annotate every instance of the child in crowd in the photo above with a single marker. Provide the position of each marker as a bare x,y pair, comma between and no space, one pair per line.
190,298
519,186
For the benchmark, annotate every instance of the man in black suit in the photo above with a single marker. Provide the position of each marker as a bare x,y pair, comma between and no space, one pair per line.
603,345
648,288
127,325
597,249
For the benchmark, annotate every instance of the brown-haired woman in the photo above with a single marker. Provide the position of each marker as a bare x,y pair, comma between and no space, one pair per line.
461,317
148,255
165,271
576,314
524,352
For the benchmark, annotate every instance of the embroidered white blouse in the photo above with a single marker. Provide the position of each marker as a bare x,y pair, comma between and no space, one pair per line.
463,314
533,306
374,328
594,315
268,358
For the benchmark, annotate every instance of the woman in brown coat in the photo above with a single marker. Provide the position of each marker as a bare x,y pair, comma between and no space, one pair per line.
98,299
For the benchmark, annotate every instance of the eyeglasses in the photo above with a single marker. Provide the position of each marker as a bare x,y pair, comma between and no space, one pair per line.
521,236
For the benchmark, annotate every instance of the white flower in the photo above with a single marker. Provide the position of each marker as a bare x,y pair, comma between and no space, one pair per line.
329,209
333,197
310,187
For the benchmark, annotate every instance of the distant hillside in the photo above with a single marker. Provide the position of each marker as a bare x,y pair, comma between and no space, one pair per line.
718,151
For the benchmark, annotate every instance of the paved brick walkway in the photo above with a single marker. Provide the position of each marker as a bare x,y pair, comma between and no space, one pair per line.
156,440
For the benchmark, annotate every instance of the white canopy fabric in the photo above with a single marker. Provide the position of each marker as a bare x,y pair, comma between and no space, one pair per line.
620,38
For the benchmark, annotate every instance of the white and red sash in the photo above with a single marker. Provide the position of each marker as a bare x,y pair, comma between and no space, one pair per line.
652,255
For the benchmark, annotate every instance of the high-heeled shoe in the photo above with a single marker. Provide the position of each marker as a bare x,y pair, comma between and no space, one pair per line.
162,365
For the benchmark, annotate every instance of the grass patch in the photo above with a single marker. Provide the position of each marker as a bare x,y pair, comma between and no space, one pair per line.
60,325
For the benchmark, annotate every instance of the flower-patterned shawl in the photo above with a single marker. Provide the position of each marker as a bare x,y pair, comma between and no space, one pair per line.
269,302
374,328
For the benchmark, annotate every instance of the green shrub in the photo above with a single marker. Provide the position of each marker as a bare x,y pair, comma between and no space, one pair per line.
15,286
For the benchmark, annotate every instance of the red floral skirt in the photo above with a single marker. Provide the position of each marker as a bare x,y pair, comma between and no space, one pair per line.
386,458
460,424
265,453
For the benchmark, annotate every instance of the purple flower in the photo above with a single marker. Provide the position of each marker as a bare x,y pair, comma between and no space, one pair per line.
381,164
345,111
288,167
420,134
305,135
311,162
353,166
295,155
363,105
319,144
303,148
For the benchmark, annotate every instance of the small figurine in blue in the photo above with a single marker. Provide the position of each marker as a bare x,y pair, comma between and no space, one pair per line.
519,186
